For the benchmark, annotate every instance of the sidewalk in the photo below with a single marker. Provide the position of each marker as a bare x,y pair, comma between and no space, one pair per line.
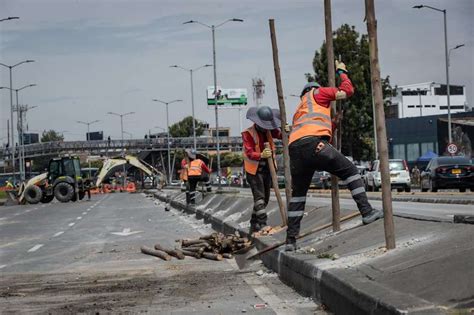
430,271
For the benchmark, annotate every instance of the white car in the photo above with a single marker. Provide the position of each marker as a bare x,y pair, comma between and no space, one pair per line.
399,176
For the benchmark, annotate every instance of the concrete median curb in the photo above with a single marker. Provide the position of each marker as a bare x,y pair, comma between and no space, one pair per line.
344,291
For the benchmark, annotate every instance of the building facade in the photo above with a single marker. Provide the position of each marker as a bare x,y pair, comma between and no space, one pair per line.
427,99
410,138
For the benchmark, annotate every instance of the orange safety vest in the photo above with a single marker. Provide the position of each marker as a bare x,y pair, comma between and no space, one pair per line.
311,119
184,173
251,166
195,168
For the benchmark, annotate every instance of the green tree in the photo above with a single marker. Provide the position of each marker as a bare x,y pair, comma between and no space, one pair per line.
51,135
184,128
357,124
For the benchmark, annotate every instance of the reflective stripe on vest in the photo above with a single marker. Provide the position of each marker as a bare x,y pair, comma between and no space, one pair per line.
195,168
311,119
251,166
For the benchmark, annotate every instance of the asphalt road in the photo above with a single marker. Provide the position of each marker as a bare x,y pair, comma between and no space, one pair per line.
85,257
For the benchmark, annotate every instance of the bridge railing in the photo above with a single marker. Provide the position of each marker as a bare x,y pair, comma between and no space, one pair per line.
206,143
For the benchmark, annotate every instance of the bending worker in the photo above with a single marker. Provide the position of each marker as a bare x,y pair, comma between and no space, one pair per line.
310,150
197,172
266,121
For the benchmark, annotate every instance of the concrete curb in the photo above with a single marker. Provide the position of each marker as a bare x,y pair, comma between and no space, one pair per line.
343,291
409,199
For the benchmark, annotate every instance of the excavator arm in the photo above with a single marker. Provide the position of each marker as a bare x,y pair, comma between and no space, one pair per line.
111,164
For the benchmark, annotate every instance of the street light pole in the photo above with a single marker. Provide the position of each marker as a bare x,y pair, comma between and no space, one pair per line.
123,146
448,92
88,139
192,96
216,110
9,18
12,109
168,135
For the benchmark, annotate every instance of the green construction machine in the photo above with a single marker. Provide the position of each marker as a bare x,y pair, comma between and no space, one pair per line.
63,181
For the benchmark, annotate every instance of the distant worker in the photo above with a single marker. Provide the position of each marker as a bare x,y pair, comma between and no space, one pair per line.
87,187
197,172
310,150
8,184
266,120
415,175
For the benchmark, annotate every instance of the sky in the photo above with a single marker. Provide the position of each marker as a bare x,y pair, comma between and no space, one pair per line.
93,57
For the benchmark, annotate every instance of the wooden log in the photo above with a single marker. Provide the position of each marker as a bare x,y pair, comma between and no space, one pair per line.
156,253
172,252
212,256
227,256
199,250
191,254
193,242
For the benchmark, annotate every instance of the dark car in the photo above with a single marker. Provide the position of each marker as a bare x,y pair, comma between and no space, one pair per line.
321,180
452,172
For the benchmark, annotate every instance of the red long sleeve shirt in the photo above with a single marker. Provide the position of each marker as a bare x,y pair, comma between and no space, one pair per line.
325,95
249,143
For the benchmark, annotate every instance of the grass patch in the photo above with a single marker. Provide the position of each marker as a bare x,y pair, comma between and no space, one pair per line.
3,194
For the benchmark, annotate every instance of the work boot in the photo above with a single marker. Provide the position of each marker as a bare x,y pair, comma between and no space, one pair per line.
290,244
372,215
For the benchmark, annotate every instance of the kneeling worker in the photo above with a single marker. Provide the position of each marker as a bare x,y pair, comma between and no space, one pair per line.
310,150
256,159
197,172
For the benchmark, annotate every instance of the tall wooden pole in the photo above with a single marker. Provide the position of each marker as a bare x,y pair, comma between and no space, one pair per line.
281,104
380,124
336,209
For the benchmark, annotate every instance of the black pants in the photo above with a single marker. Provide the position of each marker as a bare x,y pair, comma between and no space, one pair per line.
305,158
260,184
192,182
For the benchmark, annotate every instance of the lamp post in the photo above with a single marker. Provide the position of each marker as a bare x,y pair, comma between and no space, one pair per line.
192,94
20,131
11,108
168,134
9,18
448,92
88,138
213,29
123,146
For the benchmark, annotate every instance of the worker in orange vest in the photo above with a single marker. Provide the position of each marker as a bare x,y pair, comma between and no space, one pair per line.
197,172
266,120
310,149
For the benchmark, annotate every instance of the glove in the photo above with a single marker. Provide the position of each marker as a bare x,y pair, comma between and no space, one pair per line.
287,128
266,153
340,67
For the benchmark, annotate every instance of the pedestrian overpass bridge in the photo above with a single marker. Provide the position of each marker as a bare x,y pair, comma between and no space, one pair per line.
133,146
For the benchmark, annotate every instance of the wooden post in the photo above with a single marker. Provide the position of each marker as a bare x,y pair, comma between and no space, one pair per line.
281,104
336,208
380,124
273,173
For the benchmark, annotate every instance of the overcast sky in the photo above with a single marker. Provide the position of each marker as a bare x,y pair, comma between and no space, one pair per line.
92,57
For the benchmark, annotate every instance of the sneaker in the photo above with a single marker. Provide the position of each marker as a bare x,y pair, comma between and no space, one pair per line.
372,216
290,245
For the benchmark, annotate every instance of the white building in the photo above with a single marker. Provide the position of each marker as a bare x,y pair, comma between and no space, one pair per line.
428,98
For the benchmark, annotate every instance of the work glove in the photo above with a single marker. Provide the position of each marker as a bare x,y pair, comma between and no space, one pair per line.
266,153
287,128
340,67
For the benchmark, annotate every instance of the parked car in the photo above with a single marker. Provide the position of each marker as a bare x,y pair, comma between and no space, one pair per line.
321,180
399,176
363,174
455,172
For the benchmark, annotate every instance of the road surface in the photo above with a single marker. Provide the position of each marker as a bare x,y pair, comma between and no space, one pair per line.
85,257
